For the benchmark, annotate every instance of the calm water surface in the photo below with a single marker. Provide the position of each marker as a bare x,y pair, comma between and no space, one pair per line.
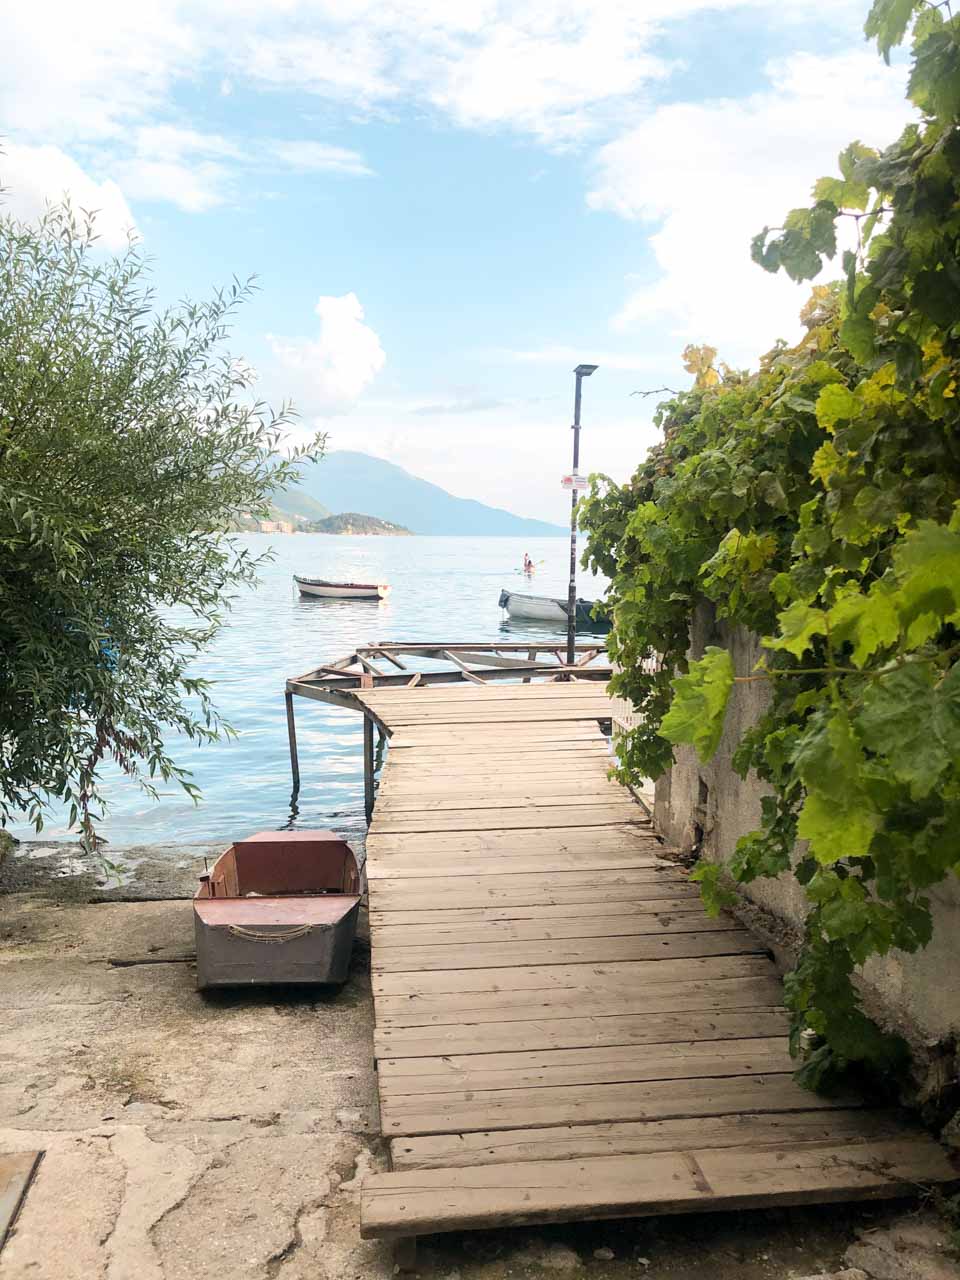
441,589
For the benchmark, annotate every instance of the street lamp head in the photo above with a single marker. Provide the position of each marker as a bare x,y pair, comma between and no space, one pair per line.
585,370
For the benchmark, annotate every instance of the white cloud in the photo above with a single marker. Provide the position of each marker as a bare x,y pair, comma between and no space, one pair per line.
83,71
331,371
712,174
102,74
179,166
198,171
318,157
34,177
556,71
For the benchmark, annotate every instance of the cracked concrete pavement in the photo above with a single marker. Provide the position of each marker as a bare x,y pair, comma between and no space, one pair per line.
226,1135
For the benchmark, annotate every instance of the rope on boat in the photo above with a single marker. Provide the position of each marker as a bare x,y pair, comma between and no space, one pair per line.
280,935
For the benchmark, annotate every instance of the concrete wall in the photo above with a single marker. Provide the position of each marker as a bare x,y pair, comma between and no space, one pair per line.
711,806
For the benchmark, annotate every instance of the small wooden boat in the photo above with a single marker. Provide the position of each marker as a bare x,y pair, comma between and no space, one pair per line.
551,610
280,906
341,590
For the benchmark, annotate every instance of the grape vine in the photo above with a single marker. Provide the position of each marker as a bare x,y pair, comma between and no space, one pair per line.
816,501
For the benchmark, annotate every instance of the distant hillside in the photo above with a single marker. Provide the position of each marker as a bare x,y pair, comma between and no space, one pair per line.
294,502
354,522
346,482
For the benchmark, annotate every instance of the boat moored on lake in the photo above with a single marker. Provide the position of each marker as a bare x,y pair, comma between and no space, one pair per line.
320,587
549,609
278,907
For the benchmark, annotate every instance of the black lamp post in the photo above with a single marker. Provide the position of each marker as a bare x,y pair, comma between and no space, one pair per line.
581,371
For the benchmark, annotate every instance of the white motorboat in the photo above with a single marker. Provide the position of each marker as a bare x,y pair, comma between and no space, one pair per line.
341,590
549,609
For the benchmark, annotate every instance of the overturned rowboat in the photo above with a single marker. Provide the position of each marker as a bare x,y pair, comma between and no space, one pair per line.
319,587
280,906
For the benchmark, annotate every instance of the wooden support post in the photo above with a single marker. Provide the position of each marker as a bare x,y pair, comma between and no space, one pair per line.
531,657
405,1254
292,737
368,767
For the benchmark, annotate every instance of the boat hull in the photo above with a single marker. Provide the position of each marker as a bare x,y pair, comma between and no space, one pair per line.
281,907
536,608
315,587
546,609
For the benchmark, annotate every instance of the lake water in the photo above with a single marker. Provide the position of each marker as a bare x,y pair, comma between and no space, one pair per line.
441,589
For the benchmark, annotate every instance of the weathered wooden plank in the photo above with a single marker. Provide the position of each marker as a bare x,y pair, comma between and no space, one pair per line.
16,1173
511,711
545,737
589,772
421,710
634,834
444,700
491,819
643,1137
582,950
443,918
605,925
585,773
505,689
589,1001
618,1064
522,888
568,1032
501,724
546,757
504,736
632,976
392,803
432,1200
410,866
570,1104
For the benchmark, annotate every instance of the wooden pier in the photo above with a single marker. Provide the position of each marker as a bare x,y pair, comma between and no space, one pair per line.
561,1032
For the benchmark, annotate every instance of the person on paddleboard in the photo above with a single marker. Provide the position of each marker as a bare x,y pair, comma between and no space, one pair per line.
527,564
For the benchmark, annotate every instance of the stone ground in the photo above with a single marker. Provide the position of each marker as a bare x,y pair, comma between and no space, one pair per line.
192,1136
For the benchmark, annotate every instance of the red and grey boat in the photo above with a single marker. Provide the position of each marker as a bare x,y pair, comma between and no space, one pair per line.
278,907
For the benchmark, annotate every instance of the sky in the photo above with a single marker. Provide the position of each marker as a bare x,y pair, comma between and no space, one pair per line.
449,204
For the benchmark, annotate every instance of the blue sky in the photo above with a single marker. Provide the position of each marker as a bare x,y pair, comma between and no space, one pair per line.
448,205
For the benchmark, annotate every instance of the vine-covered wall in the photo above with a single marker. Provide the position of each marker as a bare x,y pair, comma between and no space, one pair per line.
816,503
710,807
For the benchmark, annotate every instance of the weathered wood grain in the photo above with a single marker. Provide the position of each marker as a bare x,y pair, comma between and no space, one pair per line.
643,1137
433,1200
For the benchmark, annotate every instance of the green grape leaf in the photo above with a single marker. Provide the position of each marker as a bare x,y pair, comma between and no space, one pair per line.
836,403
927,568
858,335
837,817
936,294
835,829
887,22
798,625
713,892
912,719
699,704
868,622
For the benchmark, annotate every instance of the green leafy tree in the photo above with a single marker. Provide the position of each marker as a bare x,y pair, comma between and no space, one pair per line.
128,442
817,502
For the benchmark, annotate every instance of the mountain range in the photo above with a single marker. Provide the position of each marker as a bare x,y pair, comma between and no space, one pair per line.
345,481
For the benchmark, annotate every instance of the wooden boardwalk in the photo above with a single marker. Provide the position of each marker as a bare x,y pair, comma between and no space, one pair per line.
561,1032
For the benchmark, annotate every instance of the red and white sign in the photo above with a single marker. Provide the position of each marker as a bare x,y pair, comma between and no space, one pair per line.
573,480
